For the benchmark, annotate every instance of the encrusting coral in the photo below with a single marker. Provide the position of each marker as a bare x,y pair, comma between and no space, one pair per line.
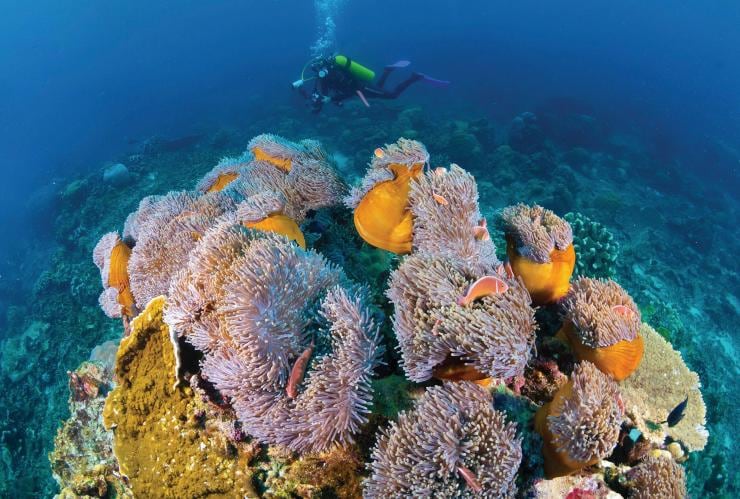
657,478
581,424
660,383
381,203
452,444
162,445
602,325
539,245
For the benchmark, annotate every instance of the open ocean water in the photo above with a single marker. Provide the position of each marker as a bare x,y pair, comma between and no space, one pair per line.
622,113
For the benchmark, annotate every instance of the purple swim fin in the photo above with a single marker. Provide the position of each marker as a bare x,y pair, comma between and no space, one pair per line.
433,81
398,64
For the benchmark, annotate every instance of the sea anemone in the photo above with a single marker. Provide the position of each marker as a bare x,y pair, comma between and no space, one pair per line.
224,173
111,255
167,238
602,324
381,203
265,212
309,184
447,220
259,320
581,424
539,245
195,289
493,335
281,152
657,478
453,444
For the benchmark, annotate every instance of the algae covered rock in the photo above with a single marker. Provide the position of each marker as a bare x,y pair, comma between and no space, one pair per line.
660,383
162,439
82,461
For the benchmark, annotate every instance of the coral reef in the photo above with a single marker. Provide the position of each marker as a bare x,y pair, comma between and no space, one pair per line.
660,383
269,352
453,444
162,445
595,246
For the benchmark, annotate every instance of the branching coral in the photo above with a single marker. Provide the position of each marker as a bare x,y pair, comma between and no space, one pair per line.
447,220
494,334
657,478
595,246
602,324
660,383
453,444
581,424
539,246
381,202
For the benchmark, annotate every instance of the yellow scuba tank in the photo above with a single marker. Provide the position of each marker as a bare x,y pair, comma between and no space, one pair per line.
357,70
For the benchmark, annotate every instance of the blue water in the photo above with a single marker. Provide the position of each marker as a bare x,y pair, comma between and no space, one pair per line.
86,83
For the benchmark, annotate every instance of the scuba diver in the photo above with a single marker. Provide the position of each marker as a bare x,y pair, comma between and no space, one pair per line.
338,78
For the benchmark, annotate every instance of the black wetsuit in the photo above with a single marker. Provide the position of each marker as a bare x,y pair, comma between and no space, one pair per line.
338,85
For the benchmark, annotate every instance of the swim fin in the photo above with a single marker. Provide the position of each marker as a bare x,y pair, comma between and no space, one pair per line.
398,64
432,81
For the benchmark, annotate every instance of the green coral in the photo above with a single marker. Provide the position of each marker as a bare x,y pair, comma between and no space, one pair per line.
596,249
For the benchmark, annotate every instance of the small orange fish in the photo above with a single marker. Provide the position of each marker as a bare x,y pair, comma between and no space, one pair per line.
470,479
623,311
440,199
379,153
485,286
296,374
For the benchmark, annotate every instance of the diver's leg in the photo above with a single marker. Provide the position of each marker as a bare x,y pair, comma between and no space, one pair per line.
388,70
401,87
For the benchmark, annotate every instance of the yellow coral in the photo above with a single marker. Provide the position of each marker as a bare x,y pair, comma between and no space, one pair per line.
161,446
660,383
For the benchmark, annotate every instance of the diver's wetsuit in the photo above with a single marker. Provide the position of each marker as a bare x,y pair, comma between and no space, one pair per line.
338,85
